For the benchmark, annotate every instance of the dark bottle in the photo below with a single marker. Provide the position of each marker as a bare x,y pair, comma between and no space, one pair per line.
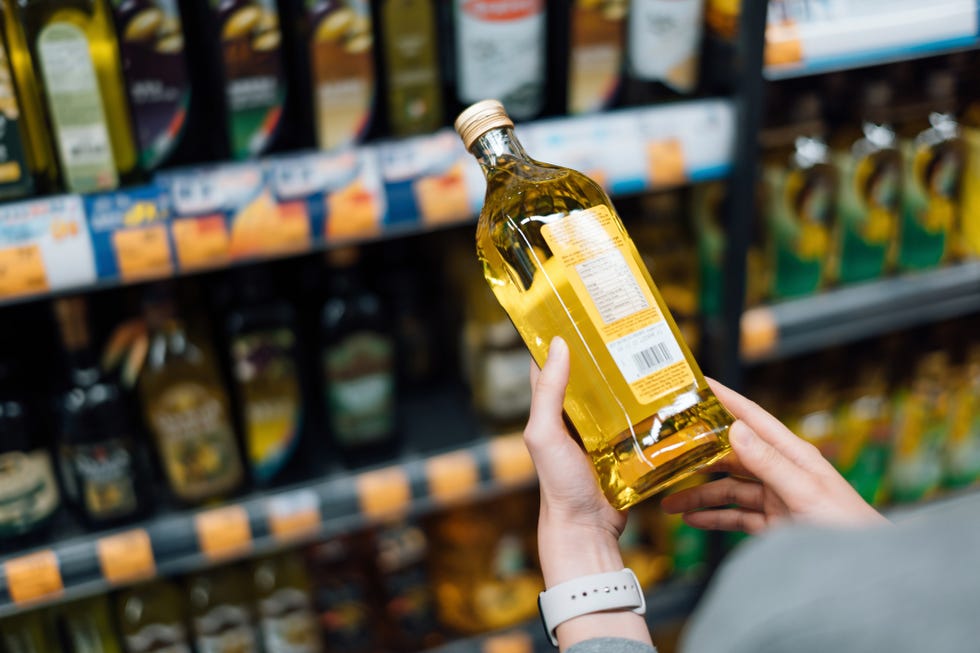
284,602
358,363
261,341
101,465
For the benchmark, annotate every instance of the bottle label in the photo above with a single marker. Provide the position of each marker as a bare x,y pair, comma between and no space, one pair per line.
254,87
265,370
158,638
99,478
970,195
506,383
916,468
868,208
501,53
596,54
360,388
601,264
665,41
288,624
342,54
14,171
152,47
196,441
226,629
76,109
28,491
930,198
414,96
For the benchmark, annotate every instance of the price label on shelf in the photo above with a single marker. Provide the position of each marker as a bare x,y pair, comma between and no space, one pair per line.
22,271
126,557
33,577
513,642
201,242
143,253
760,332
294,514
384,492
665,162
783,44
452,475
509,459
223,532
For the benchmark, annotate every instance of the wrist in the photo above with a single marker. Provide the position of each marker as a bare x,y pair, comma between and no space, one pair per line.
567,551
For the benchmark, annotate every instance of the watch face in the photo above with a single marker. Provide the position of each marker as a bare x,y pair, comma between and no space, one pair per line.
544,624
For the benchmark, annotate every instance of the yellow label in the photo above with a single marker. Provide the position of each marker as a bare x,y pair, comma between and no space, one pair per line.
34,576
665,163
201,242
22,271
451,475
783,44
970,195
223,532
126,557
604,272
143,253
509,460
294,515
384,492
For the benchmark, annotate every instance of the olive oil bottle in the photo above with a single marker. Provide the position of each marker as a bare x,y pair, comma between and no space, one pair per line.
16,168
76,58
411,66
87,627
151,619
26,633
560,262
222,616
285,605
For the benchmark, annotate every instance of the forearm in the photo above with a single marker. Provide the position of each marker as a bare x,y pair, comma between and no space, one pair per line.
566,553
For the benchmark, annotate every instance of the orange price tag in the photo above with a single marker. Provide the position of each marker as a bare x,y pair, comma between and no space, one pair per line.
452,475
665,163
783,44
515,642
34,576
143,253
294,514
223,532
509,459
22,271
443,199
384,491
126,557
201,242
291,232
352,212
760,333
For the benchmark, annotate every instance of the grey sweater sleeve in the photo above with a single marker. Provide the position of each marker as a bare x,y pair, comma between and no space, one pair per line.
908,588
610,645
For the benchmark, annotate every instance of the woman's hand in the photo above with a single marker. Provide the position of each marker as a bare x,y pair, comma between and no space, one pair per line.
774,476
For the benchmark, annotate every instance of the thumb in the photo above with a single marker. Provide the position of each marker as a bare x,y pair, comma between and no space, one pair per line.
765,462
548,395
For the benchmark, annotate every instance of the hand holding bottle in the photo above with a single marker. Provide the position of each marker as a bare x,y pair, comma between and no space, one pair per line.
774,476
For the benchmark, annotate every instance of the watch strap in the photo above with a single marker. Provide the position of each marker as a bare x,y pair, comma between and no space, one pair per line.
616,590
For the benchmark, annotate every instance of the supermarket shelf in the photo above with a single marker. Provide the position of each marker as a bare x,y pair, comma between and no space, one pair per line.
670,601
857,34
212,217
186,541
851,313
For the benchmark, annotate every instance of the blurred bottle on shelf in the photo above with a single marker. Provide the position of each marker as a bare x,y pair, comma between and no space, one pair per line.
412,80
342,595
359,367
25,111
73,47
721,17
186,407
237,73
285,605
261,341
595,53
969,228
221,613
663,49
103,469
962,455
410,619
482,563
501,52
865,153
17,169
151,619
934,154
800,197
813,409
151,41
27,633
86,627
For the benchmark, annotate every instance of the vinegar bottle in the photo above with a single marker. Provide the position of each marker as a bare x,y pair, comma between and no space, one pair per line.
560,262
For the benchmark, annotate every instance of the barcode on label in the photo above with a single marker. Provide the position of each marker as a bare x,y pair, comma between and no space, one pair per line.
646,351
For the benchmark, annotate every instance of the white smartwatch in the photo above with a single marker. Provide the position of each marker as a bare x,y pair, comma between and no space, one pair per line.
615,590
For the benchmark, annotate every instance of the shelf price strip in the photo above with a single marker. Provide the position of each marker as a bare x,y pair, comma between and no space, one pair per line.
452,475
294,515
126,557
384,492
223,532
34,576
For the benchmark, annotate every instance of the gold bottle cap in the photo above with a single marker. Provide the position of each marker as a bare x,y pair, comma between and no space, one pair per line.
479,118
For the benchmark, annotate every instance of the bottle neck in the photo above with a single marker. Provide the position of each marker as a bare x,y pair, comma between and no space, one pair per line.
498,147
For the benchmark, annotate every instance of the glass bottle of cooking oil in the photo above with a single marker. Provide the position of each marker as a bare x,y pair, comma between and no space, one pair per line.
962,455
26,633
221,611
595,57
285,605
560,262
87,626
74,49
16,169
411,66
151,619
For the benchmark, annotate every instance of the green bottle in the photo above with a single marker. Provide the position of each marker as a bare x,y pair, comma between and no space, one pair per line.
221,612
151,619
285,605
26,633
411,66
87,627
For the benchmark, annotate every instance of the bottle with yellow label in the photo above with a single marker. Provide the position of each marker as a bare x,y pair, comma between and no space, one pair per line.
17,169
969,227
560,262
962,455
76,58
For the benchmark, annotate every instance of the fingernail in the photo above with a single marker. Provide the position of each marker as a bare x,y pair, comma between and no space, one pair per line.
557,347
741,436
